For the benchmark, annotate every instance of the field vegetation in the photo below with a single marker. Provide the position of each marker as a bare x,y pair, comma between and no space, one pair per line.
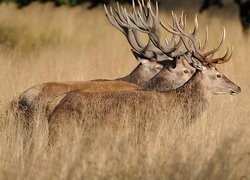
41,43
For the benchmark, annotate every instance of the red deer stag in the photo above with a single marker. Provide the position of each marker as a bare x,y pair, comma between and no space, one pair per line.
109,106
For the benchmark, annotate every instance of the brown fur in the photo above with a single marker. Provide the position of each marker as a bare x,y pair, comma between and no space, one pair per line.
35,99
107,108
137,76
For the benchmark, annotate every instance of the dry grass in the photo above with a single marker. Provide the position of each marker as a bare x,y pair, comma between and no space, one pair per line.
42,43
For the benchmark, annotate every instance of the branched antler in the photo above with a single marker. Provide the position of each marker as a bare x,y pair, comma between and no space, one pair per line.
118,18
146,21
193,45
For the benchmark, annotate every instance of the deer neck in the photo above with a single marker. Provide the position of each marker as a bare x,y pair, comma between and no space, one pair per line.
136,76
194,96
159,82
194,86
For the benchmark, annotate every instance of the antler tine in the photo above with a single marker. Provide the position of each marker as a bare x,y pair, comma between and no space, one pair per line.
203,47
156,8
141,20
142,9
148,22
183,26
224,58
122,21
121,25
193,46
153,30
198,51
133,7
219,46
112,20
172,40
177,30
174,30
142,2
192,37
196,26
142,24
140,5
133,14
135,30
169,46
135,20
120,14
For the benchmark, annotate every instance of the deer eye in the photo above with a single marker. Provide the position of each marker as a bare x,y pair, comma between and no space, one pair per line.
185,71
218,75
158,67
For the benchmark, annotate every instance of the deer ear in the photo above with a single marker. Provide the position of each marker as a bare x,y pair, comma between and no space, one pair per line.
139,57
203,68
142,59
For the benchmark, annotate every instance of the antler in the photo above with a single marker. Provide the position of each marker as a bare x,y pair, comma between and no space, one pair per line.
189,40
145,20
119,20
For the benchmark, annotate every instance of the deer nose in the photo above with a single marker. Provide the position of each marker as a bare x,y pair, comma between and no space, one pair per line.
235,91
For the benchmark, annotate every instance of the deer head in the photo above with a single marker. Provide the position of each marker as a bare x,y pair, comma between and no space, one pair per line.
147,68
213,80
181,73
218,83
173,75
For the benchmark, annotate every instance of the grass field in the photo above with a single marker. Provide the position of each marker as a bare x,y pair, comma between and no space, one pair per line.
41,43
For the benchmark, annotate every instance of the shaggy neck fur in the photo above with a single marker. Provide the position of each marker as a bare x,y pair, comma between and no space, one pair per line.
159,83
135,77
194,96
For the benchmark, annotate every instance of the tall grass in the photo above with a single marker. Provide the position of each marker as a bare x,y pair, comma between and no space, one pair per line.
42,43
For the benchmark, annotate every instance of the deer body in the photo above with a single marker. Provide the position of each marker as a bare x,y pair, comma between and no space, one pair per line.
194,93
36,98
99,102
109,107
